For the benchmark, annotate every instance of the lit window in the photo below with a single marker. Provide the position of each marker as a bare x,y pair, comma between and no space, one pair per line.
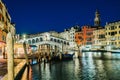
0,10
3,38
106,33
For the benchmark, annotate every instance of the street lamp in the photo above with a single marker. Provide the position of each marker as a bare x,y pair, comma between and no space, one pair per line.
24,36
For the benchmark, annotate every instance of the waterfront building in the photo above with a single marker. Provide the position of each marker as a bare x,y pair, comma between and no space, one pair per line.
65,35
79,38
99,39
88,35
5,26
85,37
113,34
70,35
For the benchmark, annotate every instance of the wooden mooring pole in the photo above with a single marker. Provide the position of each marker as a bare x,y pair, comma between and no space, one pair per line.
28,64
25,51
10,56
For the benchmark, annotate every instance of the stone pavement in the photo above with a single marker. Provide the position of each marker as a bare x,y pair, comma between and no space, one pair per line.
3,66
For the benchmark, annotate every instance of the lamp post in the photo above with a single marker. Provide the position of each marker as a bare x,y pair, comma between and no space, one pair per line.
24,37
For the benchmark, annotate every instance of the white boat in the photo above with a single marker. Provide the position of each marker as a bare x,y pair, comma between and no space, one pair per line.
115,51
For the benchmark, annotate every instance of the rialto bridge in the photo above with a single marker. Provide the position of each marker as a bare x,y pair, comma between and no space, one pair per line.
47,43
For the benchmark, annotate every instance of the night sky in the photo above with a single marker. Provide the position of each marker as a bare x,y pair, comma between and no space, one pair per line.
34,16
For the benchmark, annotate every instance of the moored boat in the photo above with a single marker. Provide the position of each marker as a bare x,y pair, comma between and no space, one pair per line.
63,56
67,56
115,51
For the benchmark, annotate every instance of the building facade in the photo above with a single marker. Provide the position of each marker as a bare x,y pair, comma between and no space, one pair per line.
79,38
5,26
72,32
99,39
113,34
65,35
88,35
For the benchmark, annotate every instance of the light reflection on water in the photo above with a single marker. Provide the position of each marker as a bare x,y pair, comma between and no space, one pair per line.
97,66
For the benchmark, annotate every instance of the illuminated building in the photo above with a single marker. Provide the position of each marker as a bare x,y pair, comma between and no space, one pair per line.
85,37
113,34
88,35
5,26
69,34
99,38
79,38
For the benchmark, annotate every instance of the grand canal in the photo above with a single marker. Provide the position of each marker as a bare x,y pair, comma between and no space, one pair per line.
90,67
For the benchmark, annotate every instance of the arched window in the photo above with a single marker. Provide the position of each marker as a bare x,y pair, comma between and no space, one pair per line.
41,39
29,41
64,42
37,40
51,39
61,41
33,41
54,40
67,43
58,41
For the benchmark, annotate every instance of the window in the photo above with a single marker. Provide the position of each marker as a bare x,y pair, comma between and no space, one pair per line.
101,36
67,43
29,41
119,37
115,43
37,40
54,40
0,10
89,43
3,38
73,36
112,27
41,39
106,33
112,43
33,41
2,19
51,39
113,33
58,41
89,39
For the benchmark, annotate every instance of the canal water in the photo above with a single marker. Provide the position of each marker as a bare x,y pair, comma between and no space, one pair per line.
92,66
